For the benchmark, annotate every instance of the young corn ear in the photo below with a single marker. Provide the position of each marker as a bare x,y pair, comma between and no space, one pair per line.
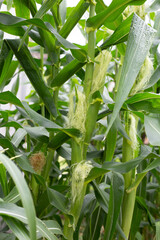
132,133
103,60
80,172
77,111
143,76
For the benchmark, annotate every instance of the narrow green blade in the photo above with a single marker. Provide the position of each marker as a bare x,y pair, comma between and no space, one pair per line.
32,71
115,201
158,230
74,17
24,193
111,13
152,127
11,210
139,42
43,9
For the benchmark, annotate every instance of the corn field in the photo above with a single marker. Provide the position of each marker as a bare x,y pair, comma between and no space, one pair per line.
80,153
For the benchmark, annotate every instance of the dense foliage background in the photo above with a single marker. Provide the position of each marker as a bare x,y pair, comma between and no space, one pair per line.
80,155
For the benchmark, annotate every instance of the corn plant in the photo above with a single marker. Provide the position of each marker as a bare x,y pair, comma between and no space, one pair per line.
80,153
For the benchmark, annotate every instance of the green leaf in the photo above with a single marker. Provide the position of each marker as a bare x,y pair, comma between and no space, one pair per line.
138,97
110,144
5,61
8,97
120,34
79,54
5,143
97,221
39,133
119,126
67,72
53,226
119,167
24,193
31,5
43,9
152,127
154,164
57,199
21,9
9,4
3,180
101,196
110,14
38,118
148,102
154,78
142,202
13,196
12,151
115,201
32,71
64,152
15,86
62,40
158,230
10,209
8,75
139,42
74,17
7,236
18,136
100,6
14,25
62,137
17,228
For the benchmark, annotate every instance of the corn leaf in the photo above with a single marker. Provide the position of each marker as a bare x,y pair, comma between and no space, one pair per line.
120,34
158,230
111,13
74,17
17,228
139,42
24,193
115,201
62,137
9,22
38,118
43,9
152,127
21,9
8,97
10,209
32,71
31,5
67,72
118,167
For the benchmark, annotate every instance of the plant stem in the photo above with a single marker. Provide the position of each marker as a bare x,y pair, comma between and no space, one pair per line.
77,147
76,152
42,62
91,54
48,164
90,124
35,188
67,229
129,197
